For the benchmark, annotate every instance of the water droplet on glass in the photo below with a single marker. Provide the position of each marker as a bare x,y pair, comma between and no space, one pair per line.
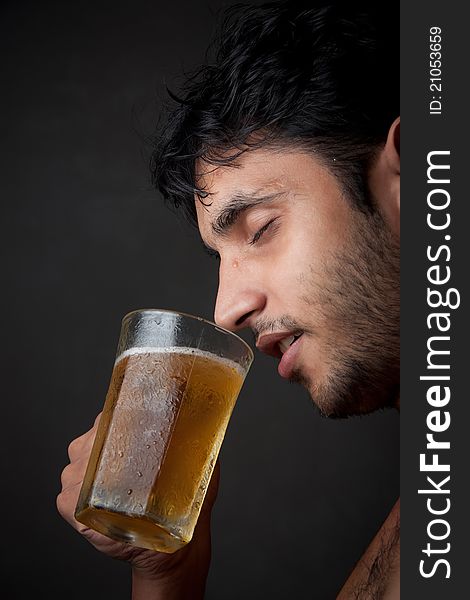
129,492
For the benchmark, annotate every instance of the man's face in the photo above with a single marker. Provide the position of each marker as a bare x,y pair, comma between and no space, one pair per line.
296,259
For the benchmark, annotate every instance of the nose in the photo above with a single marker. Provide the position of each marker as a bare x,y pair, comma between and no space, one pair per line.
240,299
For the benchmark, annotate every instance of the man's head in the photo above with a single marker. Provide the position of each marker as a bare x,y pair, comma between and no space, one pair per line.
284,151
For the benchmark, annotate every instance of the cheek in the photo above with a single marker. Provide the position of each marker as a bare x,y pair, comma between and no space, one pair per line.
304,257
291,271
304,284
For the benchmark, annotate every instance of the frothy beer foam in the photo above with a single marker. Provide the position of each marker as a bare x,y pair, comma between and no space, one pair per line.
196,352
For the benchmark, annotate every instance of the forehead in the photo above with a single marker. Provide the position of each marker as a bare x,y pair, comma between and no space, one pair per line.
251,170
258,172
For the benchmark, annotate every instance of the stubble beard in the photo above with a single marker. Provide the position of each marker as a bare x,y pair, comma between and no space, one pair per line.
358,300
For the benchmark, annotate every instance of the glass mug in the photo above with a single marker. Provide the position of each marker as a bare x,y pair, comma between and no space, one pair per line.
174,385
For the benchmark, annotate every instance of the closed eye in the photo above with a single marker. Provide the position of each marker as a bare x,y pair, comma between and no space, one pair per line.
261,231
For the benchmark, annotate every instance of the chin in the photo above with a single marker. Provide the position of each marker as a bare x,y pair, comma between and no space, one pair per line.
340,399
354,405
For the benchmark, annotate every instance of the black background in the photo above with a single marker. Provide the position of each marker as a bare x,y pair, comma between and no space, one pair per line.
86,239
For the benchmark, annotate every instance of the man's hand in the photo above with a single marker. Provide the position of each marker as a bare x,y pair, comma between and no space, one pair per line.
155,574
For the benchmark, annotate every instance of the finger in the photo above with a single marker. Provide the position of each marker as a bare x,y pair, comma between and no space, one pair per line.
84,442
74,473
66,503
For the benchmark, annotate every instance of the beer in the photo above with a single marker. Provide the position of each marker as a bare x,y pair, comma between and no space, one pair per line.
163,422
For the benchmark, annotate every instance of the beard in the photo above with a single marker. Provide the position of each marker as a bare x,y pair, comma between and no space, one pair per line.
359,303
356,298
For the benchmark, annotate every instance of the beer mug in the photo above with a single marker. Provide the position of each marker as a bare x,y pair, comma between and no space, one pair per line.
174,385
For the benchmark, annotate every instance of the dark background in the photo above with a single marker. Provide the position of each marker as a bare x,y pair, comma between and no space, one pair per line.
86,239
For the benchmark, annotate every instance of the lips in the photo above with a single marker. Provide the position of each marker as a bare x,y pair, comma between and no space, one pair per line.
288,361
269,343
287,342
283,345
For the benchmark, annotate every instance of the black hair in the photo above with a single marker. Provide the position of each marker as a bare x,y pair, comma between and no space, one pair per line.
314,75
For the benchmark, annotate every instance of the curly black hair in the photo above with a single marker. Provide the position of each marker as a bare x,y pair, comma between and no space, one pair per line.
321,76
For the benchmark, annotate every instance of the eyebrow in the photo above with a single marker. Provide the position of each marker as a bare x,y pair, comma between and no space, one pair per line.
231,212
238,204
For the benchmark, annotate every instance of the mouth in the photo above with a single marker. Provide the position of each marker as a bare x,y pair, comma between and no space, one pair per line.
286,343
283,345
288,361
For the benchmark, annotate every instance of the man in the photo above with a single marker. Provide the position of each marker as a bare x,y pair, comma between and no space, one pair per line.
285,153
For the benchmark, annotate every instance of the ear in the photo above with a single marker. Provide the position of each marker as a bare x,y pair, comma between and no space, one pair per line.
392,146
384,180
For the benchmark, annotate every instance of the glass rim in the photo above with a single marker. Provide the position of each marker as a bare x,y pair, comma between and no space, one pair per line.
190,316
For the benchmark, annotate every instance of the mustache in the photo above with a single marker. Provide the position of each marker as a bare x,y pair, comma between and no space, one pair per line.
266,325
